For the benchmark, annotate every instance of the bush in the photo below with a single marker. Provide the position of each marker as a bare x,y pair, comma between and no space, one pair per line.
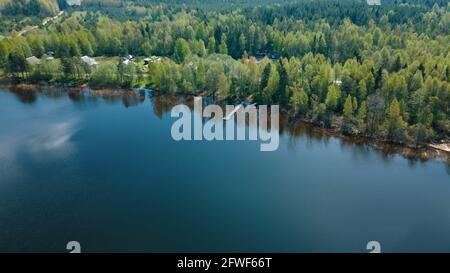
104,75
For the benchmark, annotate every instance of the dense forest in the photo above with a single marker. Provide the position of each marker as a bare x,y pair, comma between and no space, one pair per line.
379,71
16,14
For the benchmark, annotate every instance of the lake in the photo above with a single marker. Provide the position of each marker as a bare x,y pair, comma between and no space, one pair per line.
102,169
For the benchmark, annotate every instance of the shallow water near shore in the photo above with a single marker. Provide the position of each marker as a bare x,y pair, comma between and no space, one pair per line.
101,168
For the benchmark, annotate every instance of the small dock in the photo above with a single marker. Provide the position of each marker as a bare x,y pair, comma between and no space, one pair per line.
233,112
441,146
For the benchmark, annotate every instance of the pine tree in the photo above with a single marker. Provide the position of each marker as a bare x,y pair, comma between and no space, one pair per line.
211,45
355,104
362,89
299,99
223,49
269,93
362,111
181,50
333,97
397,65
223,86
282,90
3,54
265,76
200,76
242,43
201,51
348,107
394,123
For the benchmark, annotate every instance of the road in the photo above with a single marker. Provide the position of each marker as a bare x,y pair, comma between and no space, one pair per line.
44,22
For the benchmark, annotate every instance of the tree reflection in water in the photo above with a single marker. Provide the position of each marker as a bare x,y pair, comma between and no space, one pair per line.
162,104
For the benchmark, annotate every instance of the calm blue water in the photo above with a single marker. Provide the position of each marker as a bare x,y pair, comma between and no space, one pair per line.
106,172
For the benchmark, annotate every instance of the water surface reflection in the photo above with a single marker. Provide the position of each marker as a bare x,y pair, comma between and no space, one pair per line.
100,167
162,104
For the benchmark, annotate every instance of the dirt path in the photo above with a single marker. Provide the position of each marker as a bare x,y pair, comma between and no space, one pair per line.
44,22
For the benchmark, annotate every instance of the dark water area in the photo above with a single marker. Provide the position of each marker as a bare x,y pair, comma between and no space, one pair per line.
101,168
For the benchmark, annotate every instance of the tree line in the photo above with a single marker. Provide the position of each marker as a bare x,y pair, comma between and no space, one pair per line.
383,75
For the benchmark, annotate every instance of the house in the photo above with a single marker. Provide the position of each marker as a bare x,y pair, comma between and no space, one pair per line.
152,59
374,2
73,2
33,60
274,57
127,60
90,61
337,82
47,57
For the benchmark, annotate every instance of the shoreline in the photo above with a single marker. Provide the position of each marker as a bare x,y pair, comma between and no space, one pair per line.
427,151
443,146
421,152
